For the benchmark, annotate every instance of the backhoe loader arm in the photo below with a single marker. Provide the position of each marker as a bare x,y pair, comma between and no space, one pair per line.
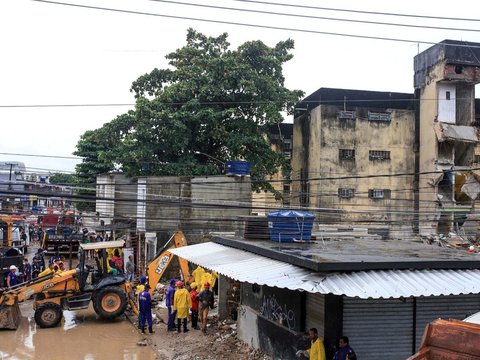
45,283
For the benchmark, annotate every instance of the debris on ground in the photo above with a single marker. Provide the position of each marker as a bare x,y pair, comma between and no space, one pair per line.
219,343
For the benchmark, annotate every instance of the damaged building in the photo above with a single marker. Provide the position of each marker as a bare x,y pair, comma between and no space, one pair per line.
445,79
400,163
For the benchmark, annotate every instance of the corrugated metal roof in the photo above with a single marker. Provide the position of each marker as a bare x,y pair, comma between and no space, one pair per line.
248,267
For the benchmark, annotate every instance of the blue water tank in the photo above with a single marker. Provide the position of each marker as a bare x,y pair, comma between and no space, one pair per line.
238,167
288,225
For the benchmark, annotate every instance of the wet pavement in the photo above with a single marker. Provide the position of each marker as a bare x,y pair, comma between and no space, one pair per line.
81,335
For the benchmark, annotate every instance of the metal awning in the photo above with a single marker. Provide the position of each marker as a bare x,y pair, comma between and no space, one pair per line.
255,269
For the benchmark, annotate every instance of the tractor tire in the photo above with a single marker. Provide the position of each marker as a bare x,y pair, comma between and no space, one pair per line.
48,315
110,302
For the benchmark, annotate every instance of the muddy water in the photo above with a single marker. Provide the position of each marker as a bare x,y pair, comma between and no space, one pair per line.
80,335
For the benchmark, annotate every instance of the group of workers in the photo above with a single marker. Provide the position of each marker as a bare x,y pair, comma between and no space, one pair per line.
182,302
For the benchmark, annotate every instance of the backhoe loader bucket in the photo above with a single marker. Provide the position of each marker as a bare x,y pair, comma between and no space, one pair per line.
10,316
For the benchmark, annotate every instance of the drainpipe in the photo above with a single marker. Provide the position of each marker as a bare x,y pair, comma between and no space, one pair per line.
416,180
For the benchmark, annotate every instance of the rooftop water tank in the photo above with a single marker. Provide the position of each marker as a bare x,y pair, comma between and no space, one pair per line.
289,226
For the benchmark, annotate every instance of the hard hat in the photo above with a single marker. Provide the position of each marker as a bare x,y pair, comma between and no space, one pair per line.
143,279
206,285
179,284
13,267
172,282
193,285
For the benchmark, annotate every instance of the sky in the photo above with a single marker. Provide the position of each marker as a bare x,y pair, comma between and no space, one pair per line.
57,59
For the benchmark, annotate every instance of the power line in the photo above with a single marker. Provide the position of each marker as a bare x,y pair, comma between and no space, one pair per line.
62,105
359,11
44,156
318,17
270,27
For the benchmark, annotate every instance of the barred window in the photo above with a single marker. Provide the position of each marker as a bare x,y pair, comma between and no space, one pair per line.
346,154
346,193
346,115
379,193
378,155
373,116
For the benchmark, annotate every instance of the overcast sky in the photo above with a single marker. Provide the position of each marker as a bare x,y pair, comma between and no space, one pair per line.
54,54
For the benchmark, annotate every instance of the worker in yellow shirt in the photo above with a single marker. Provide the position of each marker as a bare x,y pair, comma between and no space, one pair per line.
317,349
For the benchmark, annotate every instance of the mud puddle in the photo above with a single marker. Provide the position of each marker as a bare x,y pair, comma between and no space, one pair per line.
80,335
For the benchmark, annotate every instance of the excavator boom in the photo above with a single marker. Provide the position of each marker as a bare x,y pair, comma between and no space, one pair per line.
156,268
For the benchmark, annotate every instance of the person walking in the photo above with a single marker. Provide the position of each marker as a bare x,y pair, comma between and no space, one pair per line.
317,349
181,303
145,301
130,268
194,308
169,304
12,276
345,352
205,302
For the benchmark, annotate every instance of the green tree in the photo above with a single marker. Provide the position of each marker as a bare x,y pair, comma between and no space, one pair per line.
63,179
211,100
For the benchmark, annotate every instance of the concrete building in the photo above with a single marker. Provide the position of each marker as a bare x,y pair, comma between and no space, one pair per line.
346,146
393,162
445,79
147,210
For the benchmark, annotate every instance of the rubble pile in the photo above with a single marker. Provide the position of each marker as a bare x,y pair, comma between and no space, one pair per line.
454,241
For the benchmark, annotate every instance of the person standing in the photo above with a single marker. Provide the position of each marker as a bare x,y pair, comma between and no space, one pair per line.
12,276
317,349
117,259
145,301
39,260
181,303
194,308
169,304
345,352
27,270
205,301
130,268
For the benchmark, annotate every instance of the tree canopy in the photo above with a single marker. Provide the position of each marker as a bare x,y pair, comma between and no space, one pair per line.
212,104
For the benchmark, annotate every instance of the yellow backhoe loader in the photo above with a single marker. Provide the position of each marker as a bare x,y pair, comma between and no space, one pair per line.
75,289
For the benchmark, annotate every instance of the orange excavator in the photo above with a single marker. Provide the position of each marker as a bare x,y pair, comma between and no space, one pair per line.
75,289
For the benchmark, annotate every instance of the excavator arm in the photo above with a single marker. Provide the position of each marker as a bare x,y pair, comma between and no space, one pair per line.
156,268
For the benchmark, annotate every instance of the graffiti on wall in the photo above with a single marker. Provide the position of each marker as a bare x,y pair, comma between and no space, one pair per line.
272,310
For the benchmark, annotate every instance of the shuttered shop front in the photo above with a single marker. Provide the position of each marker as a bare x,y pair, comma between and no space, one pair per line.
315,312
379,329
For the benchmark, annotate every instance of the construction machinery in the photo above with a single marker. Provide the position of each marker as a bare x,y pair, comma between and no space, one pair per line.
75,289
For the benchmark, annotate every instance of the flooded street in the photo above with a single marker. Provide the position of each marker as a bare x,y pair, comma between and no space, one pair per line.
80,336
